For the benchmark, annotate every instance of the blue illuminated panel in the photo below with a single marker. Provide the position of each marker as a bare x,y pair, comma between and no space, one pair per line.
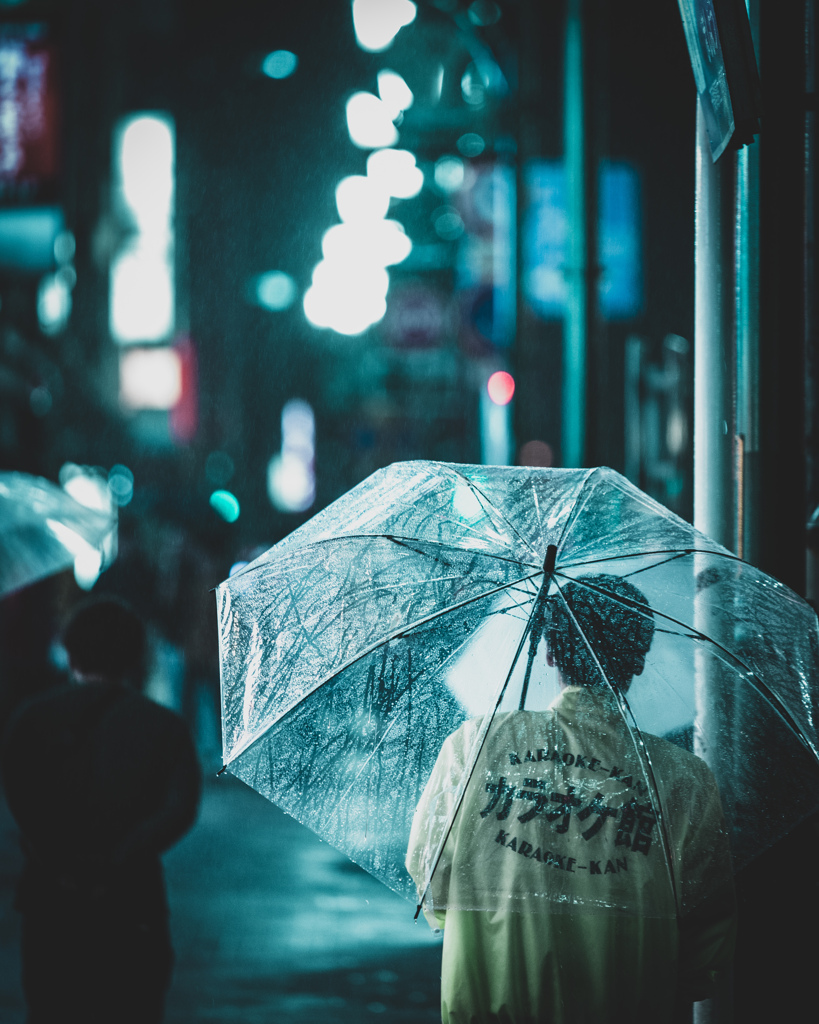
545,240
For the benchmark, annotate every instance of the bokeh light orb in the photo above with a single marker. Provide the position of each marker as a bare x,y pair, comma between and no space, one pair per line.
501,387
280,64
225,505
536,454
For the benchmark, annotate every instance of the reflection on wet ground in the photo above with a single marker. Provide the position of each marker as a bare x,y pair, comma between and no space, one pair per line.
269,924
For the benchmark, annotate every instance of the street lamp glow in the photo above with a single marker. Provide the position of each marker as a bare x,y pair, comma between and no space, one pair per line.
396,171
378,22
500,387
382,242
394,91
345,297
369,121
360,198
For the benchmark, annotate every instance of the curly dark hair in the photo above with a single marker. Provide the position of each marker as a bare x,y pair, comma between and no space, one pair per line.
620,634
106,637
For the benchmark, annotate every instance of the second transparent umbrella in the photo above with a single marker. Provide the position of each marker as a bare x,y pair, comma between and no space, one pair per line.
521,688
43,531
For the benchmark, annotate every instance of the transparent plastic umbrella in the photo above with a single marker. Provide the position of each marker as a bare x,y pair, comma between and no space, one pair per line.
43,530
389,678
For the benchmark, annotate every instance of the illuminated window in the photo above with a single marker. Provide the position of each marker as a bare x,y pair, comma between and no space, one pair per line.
150,378
142,300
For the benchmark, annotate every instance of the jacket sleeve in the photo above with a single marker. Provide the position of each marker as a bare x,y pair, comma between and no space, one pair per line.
429,825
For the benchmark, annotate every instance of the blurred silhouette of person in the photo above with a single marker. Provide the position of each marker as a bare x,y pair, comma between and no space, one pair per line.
586,878
101,780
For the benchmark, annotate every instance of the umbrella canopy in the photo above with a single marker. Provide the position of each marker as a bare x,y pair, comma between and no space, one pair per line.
413,665
43,530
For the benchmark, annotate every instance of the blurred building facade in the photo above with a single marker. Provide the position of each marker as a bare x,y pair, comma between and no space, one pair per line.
256,161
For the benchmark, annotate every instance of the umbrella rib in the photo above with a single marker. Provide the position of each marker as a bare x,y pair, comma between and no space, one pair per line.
764,690
488,719
395,538
575,512
636,735
677,552
374,647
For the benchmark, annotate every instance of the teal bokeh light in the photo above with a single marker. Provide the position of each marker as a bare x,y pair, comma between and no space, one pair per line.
280,64
225,505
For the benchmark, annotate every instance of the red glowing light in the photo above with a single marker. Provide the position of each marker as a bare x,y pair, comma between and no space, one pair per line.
501,387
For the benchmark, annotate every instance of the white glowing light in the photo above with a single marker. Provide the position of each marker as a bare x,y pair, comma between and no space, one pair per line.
359,198
342,274
346,305
369,121
87,568
382,242
150,378
396,172
142,294
347,296
53,303
88,487
378,22
465,504
288,483
291,481
87,559
146,163
394,92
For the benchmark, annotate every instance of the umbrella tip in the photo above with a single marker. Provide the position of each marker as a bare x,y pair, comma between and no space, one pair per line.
551,556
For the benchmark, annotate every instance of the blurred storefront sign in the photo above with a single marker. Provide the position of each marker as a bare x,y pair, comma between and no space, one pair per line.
29,114
27,238
545,240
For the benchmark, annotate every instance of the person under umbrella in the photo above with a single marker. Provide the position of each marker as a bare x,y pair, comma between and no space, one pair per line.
602,850
101,781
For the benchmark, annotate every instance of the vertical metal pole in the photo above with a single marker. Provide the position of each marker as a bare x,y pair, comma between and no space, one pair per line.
575,325
747,397
633,439
714,462
714,454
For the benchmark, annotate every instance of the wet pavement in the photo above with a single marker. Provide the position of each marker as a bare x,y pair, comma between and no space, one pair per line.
270,925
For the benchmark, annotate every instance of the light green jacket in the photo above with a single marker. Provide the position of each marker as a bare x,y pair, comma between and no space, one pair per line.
560,898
